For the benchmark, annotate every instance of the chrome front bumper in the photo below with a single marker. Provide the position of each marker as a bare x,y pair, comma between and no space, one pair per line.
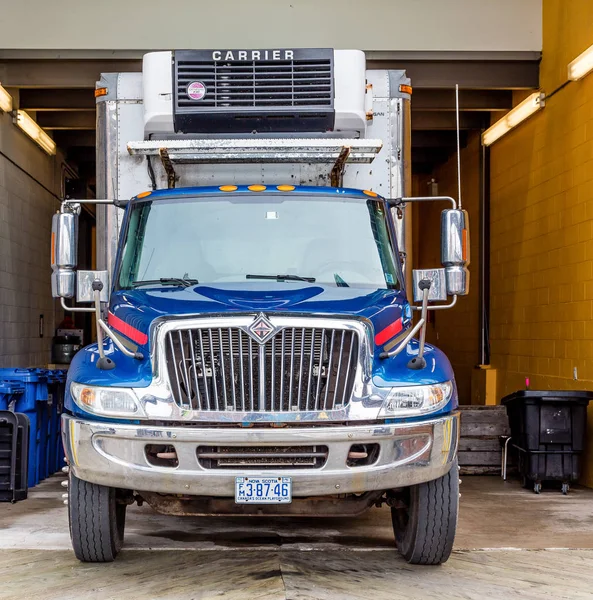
114,455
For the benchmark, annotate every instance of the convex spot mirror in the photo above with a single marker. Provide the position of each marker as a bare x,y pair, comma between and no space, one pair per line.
437,291
84,288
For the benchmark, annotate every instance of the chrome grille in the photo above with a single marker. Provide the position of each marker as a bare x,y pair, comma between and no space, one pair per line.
299,369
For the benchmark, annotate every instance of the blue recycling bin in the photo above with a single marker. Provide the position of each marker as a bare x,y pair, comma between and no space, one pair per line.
43,412
33,402
60,454
9,391
55,453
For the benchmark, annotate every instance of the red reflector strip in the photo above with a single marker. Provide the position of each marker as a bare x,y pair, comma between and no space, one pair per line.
127,330
389,332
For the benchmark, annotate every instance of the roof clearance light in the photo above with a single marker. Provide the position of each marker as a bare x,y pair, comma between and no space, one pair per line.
581,65
5,100
228,188
143,194
522,111
30,127
256,188
285,188
101,92
405,89
370,193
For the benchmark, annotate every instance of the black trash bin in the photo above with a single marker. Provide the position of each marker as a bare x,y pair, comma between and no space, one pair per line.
548,431
14,442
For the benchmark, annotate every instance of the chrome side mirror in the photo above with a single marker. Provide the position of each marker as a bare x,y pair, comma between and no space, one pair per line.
455,250
64,254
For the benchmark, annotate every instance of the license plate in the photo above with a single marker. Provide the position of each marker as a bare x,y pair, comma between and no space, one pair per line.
263,490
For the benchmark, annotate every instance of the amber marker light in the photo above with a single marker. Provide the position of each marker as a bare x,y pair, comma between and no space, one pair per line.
464,244
87,396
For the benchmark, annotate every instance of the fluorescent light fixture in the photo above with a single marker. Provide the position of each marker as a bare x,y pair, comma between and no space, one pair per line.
30,127
581,65
5,100
517,115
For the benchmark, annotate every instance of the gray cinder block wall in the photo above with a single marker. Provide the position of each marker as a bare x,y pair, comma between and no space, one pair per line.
30,184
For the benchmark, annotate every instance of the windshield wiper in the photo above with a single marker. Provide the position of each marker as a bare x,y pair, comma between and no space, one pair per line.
178,281
281,277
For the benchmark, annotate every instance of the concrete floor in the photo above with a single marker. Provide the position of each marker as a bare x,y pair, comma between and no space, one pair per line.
510,543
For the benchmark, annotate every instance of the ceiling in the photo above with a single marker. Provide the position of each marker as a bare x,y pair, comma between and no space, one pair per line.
60,94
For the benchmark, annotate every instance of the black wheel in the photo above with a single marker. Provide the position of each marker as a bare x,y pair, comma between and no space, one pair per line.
537,487
565,488
425,519
97,520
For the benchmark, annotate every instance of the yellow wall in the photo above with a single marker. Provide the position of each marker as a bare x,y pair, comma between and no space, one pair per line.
455,331
542,226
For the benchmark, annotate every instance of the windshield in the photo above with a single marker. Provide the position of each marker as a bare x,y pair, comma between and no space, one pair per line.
341,242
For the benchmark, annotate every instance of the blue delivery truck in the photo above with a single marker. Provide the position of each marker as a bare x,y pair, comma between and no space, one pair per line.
260,334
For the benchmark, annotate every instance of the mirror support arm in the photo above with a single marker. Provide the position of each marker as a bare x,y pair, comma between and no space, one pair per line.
73,202
97,309
74,308
419,362
439,306
104,362
120,346
424,317
399,201
398,349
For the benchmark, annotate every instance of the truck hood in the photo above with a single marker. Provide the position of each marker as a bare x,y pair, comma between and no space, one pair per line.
138,308
132,312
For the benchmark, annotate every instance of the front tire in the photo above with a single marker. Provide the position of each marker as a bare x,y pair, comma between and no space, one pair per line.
97,520
425,519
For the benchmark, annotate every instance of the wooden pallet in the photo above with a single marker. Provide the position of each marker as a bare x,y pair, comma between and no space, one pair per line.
479,444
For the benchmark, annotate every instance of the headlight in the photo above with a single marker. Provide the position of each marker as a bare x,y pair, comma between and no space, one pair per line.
416,399
110,401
